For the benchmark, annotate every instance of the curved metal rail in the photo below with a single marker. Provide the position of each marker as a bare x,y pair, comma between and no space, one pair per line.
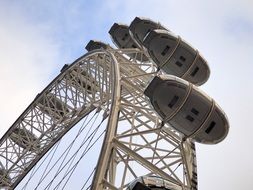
137,142
79,89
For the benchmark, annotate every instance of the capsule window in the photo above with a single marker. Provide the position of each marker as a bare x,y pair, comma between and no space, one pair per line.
124,37
164,37
210,128
178,63
182,58
189,118
140,186
196,112
173,101
165,51
158,109
195,71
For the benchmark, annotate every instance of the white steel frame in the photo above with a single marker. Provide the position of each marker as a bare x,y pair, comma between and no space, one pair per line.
137,142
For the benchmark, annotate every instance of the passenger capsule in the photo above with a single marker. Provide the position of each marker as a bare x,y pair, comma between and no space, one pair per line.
94,45
5,179
121,36
122,39
84,80
152,183
174,56
140,27
64,68
53,107
187,109
25,139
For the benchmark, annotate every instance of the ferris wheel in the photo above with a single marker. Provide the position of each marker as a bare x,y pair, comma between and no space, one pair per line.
117,118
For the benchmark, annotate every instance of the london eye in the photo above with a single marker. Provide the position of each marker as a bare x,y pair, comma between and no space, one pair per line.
117,118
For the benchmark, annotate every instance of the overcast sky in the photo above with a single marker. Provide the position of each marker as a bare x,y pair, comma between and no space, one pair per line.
37,39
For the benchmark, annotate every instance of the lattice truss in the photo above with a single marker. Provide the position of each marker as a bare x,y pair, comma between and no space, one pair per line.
79,89
136,143
143,144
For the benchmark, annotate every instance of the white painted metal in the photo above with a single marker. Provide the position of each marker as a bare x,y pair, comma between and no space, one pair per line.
140,143
54,111
137,142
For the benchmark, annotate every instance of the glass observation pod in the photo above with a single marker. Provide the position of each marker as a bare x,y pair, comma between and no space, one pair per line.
53,107
140,27
122,39
84,80
152,183
187,109
93,45
5,179
25,139
175,56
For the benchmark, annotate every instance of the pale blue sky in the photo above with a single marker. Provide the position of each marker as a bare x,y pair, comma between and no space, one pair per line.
38,37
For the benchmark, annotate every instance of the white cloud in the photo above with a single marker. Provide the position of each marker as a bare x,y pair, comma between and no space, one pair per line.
221,30
27,58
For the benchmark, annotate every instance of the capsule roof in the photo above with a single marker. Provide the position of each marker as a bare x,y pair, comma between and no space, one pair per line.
188,110
24,138
140,27
151,183
175,56
5,179
53,106
93,45
121,37
85,81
